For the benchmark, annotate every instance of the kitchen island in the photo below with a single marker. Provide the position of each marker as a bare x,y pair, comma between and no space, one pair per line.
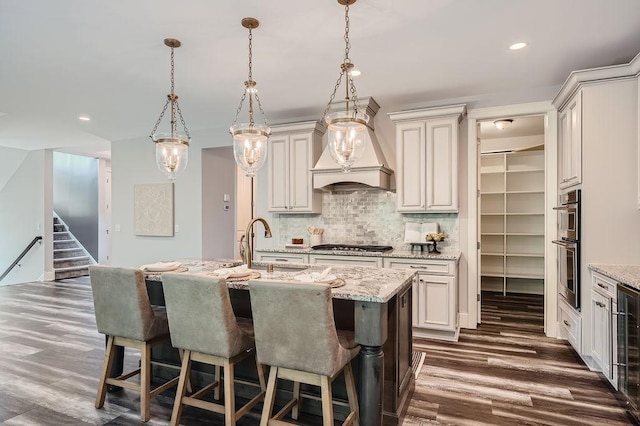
375,303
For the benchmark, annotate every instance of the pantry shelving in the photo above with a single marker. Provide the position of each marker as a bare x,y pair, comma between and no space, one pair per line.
512,221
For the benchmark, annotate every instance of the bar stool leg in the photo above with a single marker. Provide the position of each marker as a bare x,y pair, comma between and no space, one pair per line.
229,395
327,401
145,382
106,367
351,392
216,391
260,369
185,372
296,396
269,398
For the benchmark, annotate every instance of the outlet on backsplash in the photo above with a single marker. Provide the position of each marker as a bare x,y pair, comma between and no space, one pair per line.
365,217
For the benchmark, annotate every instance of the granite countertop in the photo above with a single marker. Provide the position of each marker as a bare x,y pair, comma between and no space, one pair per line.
406,254
363,283
625,274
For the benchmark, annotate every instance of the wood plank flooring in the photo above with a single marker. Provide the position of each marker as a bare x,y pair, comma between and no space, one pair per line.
508,373
504,373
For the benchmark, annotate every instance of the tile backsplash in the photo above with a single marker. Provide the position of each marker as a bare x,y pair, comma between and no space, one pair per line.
364,217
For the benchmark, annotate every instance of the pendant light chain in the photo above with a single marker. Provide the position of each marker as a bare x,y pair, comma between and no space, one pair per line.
172,99
344,69
250,87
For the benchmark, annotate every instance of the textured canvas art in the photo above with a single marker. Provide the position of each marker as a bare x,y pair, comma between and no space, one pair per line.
153,209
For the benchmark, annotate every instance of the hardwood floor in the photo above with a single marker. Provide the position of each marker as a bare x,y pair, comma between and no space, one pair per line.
508,373
504,373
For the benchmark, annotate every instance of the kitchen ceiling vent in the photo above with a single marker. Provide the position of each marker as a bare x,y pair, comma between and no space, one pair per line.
370,170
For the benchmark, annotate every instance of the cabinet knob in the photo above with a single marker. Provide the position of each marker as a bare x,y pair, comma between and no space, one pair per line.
566,323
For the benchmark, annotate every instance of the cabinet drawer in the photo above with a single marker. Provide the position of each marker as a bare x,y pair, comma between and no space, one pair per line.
283,257
570,325
433,267
327,259
603,285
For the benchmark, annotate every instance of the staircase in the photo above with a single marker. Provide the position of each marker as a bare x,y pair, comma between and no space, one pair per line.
70,259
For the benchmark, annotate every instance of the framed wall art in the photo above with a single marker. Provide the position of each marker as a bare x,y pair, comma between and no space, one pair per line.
153,209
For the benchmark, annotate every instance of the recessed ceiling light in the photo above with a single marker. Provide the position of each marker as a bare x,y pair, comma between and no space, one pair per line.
84,118
517,46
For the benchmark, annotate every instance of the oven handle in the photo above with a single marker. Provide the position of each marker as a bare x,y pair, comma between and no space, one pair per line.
566,244
568,206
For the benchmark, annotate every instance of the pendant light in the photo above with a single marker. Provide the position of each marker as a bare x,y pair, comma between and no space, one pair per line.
346,129
250,139
172,148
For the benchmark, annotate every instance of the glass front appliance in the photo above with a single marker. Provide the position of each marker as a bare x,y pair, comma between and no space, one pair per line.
569,247
628,352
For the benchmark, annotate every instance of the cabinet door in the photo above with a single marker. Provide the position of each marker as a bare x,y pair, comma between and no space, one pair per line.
410,173
278,163
600,326
436,304
442,165
570,125
300,183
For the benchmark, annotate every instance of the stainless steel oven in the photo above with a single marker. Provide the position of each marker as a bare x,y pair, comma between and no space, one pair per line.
569,247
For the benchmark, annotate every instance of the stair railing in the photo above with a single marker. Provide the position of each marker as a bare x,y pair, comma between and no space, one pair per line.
19,258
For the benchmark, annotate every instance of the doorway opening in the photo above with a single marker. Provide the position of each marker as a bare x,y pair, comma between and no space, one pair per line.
511,220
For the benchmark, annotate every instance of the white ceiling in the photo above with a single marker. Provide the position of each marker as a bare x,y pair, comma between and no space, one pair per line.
106,58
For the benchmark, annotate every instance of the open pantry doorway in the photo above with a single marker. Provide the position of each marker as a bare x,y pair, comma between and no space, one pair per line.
511,221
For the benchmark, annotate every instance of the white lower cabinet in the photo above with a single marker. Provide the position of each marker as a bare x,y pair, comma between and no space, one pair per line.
282,257
604,326
329,259
435,297
570,325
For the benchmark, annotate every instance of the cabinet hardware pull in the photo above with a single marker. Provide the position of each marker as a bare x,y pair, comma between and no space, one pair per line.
281,260
603,286
600,304
418,267
620,364
618,313
566,323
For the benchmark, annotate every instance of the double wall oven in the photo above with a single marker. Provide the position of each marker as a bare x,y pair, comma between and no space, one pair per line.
569,247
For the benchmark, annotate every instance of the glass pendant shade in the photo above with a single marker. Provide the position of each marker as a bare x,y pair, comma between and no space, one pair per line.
250,139
250,146
346,132
172,153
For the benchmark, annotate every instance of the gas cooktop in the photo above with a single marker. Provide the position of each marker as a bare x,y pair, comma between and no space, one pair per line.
352,247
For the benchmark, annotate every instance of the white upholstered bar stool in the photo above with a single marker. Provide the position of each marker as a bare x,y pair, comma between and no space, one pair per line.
204,325
124,313
296,336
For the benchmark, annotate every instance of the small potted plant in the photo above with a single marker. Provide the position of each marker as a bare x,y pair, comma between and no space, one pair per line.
435,237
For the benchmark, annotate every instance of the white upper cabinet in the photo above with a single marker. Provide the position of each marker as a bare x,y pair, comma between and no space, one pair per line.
427,159
293,151
570,143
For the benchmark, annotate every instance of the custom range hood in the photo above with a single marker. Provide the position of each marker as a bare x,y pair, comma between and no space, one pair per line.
370,170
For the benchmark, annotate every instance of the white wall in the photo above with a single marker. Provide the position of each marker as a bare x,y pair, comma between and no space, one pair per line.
133,162
24,215
11,160
218,226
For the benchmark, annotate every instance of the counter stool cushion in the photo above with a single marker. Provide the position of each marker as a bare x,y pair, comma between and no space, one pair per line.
294,327
122,306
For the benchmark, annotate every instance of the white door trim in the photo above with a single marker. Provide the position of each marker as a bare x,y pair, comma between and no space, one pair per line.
551,195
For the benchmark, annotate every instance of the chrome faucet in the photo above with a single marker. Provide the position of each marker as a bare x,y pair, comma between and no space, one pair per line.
248,256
